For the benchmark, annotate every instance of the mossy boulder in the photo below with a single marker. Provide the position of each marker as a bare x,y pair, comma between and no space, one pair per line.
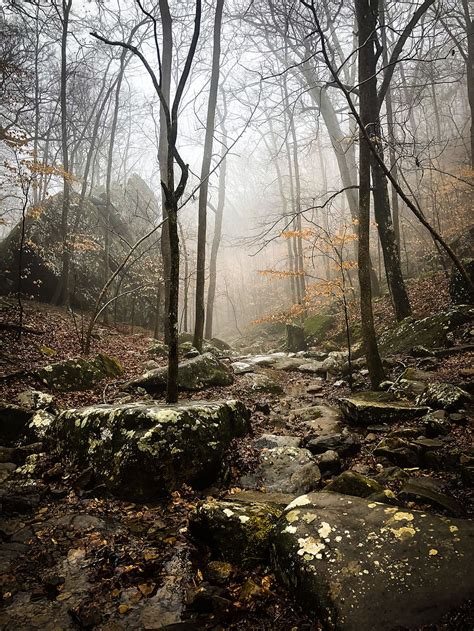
194,374
353,483
358,564
317,326
185,337
430,332
142,451
236,531
220,344
79,373
445,396
371,408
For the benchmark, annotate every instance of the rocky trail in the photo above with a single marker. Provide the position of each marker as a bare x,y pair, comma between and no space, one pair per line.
271,497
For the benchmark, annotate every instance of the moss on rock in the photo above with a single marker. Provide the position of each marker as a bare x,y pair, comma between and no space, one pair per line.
79,373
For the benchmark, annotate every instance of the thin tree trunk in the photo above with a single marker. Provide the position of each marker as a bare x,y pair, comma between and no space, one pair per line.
63,292
211,291
470,69
205,169
366,24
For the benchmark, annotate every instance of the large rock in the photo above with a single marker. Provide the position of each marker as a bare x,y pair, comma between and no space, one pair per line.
444,395
14,421
144,450
430,332
353,483
193,374
368,408
286,470
79,373
236,531
361,565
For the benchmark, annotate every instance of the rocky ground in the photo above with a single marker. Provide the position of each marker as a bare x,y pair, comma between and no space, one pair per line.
304,506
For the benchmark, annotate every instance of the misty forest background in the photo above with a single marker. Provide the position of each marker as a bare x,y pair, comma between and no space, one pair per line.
283,153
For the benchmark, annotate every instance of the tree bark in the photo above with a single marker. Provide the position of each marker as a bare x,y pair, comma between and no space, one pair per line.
366,20
211,291
204,189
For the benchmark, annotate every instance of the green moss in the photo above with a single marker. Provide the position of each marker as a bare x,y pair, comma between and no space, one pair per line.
318,325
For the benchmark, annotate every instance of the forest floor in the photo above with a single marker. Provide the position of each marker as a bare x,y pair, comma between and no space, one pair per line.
75,557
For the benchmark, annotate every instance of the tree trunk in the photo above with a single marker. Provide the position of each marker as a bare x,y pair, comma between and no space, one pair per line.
63,290
366,20
211,291
205,169
166,60
470,69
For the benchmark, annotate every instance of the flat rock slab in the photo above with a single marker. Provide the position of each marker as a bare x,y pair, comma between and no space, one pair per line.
363,565
269,441
194,374
143,450
321,420
377,407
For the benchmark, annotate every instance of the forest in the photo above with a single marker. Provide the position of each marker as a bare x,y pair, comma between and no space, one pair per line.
237,315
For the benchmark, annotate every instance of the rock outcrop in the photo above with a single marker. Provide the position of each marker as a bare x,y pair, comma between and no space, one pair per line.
142,451
365,565
79,373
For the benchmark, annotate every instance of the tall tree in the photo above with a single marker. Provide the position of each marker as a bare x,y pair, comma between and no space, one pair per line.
205,171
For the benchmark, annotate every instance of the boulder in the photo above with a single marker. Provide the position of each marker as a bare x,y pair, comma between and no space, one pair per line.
430,332
142,451
399,452
313,368
237,531
430,491
369,408
361,565
240,368
261,383
444,395
193,374
79,373
321,420
343,444
328,462
186,349
459,290
286,470
35,400
352,483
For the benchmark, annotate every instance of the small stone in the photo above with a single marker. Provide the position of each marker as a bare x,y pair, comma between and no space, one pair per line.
219,572
329,461
269,441
352,483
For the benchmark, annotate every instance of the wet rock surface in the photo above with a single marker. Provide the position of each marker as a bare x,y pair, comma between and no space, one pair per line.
365,565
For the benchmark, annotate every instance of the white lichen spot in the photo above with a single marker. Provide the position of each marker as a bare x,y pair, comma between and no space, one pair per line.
404,532
309,545
243,518
453,529
373,505
302,500
292,516
309,517
399,516
338,538
228,512
325,530
290,529
433,552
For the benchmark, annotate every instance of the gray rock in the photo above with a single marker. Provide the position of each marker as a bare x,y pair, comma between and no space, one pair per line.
360,565
398,451
313,368
141,450
444,395
241,368
320,419
193,374
328,462
13,421
6,470
368,408
262,383
269,441
286,470
35,400
429,490
343,444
